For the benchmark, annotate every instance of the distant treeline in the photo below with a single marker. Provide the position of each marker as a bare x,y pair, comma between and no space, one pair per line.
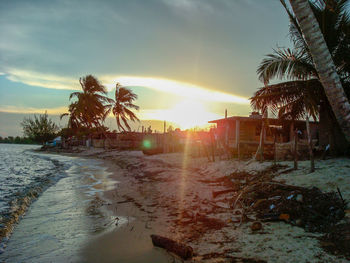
16,140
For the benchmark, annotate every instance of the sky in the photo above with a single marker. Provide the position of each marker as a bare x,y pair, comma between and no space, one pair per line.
187,60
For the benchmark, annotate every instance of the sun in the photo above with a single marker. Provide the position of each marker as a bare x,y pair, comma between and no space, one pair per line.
188,114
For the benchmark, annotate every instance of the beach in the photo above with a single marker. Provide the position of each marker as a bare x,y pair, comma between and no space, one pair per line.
66,212
172,195
175,131
108,203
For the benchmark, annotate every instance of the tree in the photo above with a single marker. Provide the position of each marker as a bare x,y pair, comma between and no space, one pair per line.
304,95
40,129
124,98
73,122
90,109
323,62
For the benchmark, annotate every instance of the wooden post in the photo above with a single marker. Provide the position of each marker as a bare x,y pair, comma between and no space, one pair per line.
205,149
239,150
262,141
309,139
296,149
212,145
164,143
237,137
237,133
274,149
260,150
226,132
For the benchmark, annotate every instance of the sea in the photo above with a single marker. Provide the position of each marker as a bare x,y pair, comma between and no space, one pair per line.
50,205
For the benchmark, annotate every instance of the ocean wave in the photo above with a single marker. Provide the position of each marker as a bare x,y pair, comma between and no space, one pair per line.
24,175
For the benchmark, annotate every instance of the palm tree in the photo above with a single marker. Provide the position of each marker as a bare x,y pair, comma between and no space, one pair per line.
323,61
124,98
73,121
304,93
90,109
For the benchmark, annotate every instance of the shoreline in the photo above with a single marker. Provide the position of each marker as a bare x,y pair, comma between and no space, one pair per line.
164,193
24,199
65,216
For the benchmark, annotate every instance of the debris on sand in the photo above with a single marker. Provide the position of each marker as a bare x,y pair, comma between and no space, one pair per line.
309,208
181,250
337,240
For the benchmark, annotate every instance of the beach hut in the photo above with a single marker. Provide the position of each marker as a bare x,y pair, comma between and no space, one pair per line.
243,134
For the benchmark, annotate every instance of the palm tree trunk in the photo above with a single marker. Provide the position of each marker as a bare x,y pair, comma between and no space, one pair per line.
323,63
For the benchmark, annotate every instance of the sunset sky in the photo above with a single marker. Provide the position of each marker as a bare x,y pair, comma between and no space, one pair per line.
187,60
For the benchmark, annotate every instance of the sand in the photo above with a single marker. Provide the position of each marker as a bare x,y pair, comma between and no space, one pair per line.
328,175
157,192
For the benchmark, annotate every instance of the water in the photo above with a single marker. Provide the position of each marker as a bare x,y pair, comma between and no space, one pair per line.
21,173
67,211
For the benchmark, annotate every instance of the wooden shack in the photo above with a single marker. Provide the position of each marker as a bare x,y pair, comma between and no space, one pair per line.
242,134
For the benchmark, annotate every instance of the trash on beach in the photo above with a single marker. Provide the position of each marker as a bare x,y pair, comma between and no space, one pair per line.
316,210
290,197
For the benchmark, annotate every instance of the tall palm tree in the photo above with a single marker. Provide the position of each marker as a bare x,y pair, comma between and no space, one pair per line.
90,109
124,98
303,93
323,62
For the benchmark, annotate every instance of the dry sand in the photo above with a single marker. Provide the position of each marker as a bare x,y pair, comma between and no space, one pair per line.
163,194
328,175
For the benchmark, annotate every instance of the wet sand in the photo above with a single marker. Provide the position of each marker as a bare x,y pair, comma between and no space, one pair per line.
130,243
171,195
66,216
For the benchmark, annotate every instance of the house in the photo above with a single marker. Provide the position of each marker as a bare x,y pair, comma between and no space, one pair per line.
242,134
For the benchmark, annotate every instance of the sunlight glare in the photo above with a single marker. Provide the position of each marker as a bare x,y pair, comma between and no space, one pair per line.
187,114
175,87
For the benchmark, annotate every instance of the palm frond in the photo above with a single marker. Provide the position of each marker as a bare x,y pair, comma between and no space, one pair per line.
285,63
74,94
124,119
131,115
280,97
63,115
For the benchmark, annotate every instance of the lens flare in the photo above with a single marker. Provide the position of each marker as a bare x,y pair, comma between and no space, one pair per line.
147,144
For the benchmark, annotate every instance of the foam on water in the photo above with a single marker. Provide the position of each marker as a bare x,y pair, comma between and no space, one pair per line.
65,216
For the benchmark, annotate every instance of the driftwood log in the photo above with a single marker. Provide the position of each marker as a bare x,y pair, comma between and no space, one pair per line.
217,193
183,251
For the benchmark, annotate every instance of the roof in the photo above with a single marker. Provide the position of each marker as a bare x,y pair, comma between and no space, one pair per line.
271,121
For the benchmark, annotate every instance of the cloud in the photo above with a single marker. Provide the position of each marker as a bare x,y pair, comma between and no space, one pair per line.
43,80
174,87
56,36
32,110
190,5
182,89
